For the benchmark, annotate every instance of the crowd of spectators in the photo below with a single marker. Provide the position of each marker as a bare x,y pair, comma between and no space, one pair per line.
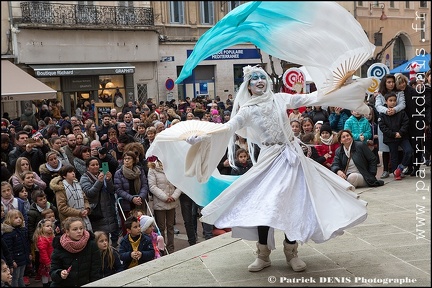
50,157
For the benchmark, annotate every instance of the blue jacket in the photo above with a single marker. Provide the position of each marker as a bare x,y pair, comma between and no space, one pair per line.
337,122
145,246
17,241
359,127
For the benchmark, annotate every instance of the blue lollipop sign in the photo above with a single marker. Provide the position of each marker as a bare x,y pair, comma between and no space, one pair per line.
378,70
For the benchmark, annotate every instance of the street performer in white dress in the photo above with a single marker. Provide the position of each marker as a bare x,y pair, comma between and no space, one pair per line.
284,189
287,190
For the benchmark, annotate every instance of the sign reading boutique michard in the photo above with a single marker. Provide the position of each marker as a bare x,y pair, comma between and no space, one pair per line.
81,69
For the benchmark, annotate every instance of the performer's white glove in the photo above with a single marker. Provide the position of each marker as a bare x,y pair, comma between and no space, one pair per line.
194,139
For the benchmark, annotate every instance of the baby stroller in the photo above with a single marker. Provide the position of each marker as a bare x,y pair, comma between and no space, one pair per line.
119,199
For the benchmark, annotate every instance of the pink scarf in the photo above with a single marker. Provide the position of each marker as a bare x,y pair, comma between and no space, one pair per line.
74,246
8,203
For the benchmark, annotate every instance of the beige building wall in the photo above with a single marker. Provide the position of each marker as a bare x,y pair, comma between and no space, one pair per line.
179,38
67,44
146,48
85,46
401,21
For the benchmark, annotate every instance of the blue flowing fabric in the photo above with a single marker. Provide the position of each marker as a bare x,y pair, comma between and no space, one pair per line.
322,36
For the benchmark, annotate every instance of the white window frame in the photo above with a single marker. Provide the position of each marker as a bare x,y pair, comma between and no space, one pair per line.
207,18
176,10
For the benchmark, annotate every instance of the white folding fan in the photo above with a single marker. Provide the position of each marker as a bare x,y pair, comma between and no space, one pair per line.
185,129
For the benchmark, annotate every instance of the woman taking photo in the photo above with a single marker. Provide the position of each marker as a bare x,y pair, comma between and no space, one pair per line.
99,188
355,162
131,185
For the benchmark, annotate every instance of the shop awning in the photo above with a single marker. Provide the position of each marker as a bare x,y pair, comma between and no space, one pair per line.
56,70
17,85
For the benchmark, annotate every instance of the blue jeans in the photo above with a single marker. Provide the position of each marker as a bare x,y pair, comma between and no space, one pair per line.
17,276
394,155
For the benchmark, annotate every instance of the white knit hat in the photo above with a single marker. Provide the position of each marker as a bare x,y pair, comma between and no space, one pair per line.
145,222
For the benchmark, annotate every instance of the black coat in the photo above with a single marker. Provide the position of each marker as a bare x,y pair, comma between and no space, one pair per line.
364,160
240,168
35,156
34,216
389,125
86,265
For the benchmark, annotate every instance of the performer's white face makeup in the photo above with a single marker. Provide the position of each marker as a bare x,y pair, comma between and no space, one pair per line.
258,83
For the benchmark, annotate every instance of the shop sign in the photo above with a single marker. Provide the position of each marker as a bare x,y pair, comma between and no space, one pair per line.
232,54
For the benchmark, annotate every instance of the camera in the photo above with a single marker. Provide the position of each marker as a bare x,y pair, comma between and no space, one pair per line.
102,150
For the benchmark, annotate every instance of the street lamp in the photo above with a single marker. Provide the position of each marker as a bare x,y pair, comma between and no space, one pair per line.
378,5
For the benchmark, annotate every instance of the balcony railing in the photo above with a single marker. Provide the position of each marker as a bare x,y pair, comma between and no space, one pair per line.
67,14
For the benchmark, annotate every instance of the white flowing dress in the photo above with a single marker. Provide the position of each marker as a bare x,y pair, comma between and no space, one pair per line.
284,190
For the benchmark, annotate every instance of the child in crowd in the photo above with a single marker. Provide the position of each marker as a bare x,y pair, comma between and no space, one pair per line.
295,127
307,125
137,212
359,127
39,205
309,149
29,182
9,202
111,263
43,237
16,238
147,224
327,144
242,162
6,277
135,247
215,118
317,127
20,192
76,258
49,214
395,129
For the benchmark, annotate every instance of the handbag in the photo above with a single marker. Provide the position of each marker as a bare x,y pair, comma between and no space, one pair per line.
96,212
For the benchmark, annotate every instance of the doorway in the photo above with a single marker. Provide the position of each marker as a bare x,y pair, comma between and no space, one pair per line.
80,99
